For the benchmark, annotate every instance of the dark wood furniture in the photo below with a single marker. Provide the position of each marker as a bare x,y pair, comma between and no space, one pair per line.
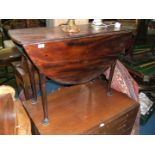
13,118
140,58
70,58
7,24
7,115
23,80
85,109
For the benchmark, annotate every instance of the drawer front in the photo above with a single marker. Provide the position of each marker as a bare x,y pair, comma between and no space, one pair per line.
119,126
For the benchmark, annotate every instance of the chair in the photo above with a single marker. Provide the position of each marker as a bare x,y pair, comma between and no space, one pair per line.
24,85
139,56
141,65
12,59
23,80
140,62
13,118
10,62
8,55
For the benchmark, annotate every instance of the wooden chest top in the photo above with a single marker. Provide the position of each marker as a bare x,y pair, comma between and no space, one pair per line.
85,109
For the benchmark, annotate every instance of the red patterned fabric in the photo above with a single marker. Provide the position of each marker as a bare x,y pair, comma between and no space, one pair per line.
123,82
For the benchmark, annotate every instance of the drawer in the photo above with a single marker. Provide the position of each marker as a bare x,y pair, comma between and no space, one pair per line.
121,125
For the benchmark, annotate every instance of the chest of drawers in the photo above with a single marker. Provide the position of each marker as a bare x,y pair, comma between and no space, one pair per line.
85,109
118,126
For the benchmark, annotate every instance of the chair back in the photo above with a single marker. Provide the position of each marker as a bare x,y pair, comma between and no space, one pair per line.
7,115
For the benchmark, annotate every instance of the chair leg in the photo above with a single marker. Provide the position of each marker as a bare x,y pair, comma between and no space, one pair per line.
25,89
17,84
27,96
112,68
32,80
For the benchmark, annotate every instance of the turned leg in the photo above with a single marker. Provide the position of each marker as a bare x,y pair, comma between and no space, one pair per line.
42,83
32,80
112,68
26,93
17,84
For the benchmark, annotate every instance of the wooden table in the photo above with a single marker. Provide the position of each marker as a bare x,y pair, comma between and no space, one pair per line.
71,58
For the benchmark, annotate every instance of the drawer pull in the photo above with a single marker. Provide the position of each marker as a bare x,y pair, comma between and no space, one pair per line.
101,125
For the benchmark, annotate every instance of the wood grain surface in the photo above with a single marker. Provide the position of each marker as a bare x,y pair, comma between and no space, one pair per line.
72,58
7,115
82,109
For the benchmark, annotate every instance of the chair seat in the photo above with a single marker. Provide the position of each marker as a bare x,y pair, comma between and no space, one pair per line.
9,54
8,44
140,49
143,68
